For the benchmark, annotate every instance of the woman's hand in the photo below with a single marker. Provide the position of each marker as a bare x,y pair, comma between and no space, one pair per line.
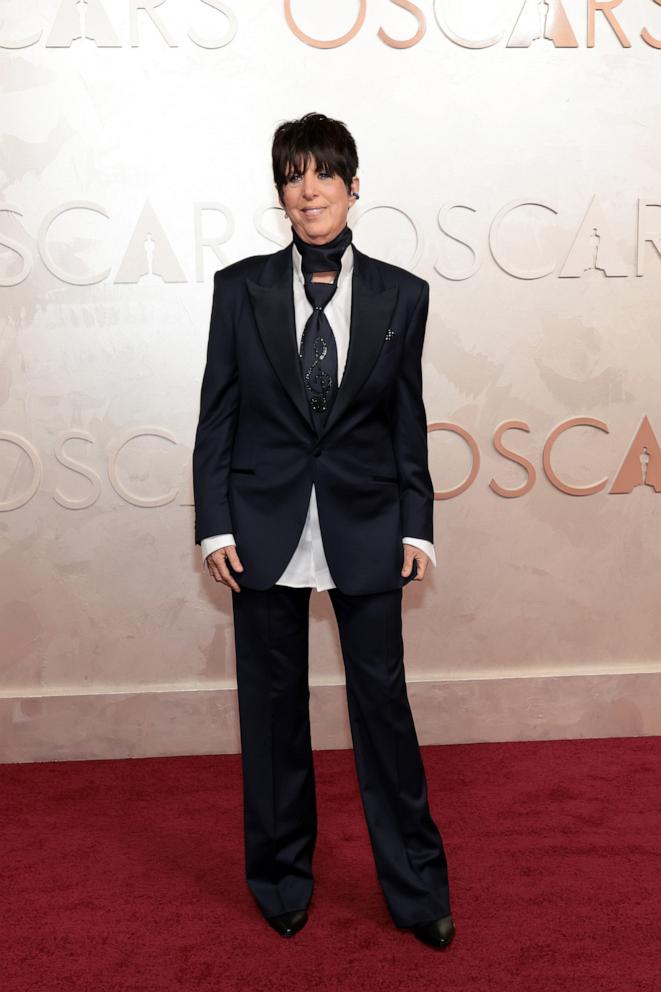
410,553
218,569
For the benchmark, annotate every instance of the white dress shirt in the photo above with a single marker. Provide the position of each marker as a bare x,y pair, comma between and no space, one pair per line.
308,565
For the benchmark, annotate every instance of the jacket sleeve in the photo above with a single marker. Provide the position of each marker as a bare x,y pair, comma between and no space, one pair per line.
410,429
214,438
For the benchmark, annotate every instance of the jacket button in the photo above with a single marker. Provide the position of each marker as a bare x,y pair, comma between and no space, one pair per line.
316,452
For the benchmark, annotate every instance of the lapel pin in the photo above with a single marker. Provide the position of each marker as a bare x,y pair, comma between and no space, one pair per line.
390,333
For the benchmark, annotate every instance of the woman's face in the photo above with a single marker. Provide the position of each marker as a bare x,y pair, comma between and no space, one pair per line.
316,203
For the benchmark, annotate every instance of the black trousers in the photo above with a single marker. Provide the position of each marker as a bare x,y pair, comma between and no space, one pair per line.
280,817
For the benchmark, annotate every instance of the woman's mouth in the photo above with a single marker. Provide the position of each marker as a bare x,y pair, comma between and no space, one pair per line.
313,211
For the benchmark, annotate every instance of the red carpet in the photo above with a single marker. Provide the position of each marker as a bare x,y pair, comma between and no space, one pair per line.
128,875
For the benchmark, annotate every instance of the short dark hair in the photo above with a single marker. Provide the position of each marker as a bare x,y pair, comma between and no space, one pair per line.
328,140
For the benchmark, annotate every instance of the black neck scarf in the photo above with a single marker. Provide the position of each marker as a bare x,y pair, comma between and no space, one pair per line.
326,257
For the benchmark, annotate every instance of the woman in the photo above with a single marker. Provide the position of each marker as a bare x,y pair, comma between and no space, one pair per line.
310,471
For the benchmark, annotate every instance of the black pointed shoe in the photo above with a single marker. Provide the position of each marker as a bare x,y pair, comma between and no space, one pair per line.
435,933
287,924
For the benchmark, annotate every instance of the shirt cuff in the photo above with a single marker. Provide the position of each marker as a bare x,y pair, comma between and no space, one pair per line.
425,546
211,544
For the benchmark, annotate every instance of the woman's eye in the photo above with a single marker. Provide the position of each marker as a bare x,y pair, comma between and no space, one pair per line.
295,176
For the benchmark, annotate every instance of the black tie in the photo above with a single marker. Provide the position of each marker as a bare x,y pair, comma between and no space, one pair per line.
318,349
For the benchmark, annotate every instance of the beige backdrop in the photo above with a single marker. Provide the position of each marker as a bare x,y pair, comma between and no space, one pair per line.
521,177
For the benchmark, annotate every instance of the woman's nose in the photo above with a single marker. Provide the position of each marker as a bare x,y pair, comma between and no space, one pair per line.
309,185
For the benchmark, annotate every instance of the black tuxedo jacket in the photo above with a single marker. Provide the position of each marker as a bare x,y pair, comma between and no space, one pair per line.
257,450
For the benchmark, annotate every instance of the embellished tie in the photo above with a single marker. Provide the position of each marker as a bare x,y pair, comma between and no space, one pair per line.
318,351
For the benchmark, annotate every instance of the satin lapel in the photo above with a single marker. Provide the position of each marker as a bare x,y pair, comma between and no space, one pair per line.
273,306
371,310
